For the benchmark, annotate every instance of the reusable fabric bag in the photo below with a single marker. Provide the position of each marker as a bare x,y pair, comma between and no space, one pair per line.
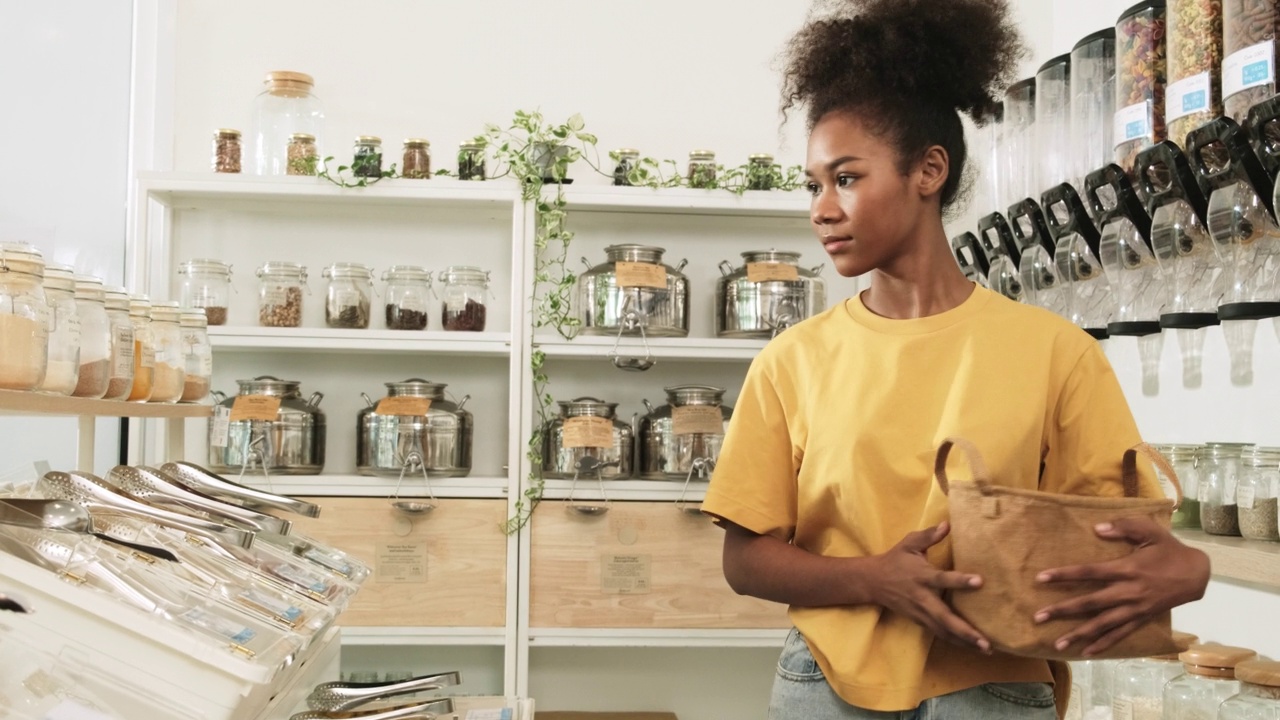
1009,535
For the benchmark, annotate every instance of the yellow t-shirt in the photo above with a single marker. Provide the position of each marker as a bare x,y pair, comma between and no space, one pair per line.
832,445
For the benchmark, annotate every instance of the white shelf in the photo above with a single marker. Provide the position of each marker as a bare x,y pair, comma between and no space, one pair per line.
14,402
248,338
645,637
197,189
627,490
681,201
367,486
419,636
586,347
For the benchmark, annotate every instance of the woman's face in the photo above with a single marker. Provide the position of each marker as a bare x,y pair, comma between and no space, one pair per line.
864,210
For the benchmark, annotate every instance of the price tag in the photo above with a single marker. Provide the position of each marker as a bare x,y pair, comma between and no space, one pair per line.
255,407
1245,496
588,432
697,420
1132,123
625,574
1248,68
123,361
772,272
403,405
1188,96
221,426
643,275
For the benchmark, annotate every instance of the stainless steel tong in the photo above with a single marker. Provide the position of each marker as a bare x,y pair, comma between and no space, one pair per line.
156,487
344,696
416,711
194,477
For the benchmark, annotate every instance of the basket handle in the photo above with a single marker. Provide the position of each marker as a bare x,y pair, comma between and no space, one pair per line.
1129,470
979,467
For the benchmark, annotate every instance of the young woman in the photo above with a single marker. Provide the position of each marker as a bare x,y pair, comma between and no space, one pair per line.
825,485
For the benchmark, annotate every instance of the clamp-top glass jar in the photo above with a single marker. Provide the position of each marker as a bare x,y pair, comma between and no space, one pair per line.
1183,459
760,172
280,294
95,338
627,159
144,349
702,169
226,151
1219,470
198,356
348,298
1256,493
206,284
170,356
62,373
122,346
408,296
24,331
286,107
464,294
1259,696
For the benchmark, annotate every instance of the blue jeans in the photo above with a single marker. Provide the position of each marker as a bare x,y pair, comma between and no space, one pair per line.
800,692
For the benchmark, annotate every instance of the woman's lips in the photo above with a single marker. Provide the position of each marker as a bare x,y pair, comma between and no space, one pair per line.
834,243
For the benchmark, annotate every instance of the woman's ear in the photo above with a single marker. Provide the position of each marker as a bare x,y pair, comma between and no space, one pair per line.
934,169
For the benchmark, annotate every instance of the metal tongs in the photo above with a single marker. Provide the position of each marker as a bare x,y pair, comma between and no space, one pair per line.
67,516
343,696
156,487
415,711
194,477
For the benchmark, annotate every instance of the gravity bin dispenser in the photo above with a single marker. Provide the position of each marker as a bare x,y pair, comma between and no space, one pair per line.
970,257
1263,127
1085,290
1041,285
1003,255
1183,249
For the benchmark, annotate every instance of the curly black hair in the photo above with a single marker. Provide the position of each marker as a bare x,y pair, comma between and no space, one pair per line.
907,68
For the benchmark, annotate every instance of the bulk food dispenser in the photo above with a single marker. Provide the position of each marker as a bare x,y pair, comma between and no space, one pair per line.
1193,96
996,239
1249,54
1053,124
1140,80
1041,285
1263,127
1183,249
1093,104
1019,142
970,257
1087,295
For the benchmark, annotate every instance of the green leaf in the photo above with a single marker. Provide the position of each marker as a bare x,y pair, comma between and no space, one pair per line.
575,122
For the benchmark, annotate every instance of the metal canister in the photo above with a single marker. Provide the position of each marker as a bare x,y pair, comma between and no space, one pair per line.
633,293
292,443
581,431
767,295
685,434
416,425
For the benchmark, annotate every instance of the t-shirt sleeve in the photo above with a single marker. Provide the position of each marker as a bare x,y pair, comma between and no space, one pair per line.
1088,433
754,484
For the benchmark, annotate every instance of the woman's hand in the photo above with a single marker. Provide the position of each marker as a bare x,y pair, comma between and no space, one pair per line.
1160,574
909,585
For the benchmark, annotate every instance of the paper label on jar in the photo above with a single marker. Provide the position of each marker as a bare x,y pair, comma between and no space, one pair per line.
1122,709
274,295
641,275
1133,123
403,405
772,271
1245,496
206,365
148,359
1249,68
1188,96
220,427
697,420
626,574
122,365
255,407
588,432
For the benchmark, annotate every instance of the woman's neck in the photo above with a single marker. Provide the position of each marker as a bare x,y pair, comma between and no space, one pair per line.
925,281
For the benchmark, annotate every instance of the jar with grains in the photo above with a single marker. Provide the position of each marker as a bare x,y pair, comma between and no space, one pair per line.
226,151
198,356
408,297
348,299
1139,683
366,161
1140,80
471,161
95,338
287,106
170,358
62,373
280,286
1256,494
465,294
702,169
24,311
206,284
1194,94
626,160
1219,465
1183,459
122,346
417,159
304,158
1259,696
1249,29
144,349
1208,679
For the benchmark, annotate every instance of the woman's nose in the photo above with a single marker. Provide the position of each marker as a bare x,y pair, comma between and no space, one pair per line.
825,209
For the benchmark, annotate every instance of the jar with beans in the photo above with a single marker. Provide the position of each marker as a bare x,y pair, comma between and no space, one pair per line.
280,294
1249,29
465,293
408,297
1193,96
206,284
1140,80
144,349
347,301
197,356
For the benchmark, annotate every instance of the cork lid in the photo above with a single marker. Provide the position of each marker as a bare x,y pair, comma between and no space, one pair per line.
286,83
1181,640
1214,660
1259,672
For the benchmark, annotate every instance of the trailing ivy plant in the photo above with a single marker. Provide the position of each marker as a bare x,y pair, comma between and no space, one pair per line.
360,180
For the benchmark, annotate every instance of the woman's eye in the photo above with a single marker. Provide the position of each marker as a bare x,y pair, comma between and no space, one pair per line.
845,180
812,188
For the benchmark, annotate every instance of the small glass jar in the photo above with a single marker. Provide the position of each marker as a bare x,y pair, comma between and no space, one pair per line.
1183,460
122,345
304,158
280,286
1256,494
628,159
1138,692
226,151
760,172
417,159
95,339
367,157
24,329
1259,696
347,300
170,356
465,293
1219,467
144,349
471,161
702,169
62,373
408,295
206,284
1208,679
198,356
1100,683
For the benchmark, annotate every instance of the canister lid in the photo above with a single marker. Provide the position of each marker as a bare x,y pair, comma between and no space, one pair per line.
21,257
629,152
1061,60
1180,640
694,394
229,133
1093,37
289,76
60,277
1180,453
140,306
282,268
268,385
345,270
407,272
417,142
1143,6
464,274
634,253
702,154
762,158
416,387
1259,672
587,407
368,140
204,266
117,298
89,288
771,255
194,317
302,138
470,145
1214,660
166,312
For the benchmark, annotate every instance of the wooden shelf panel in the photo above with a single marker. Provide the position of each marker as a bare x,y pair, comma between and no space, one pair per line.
1234,558
248,339
13,402
645,637
195,189
699,349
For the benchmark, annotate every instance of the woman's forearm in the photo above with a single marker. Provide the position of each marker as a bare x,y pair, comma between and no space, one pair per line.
765,567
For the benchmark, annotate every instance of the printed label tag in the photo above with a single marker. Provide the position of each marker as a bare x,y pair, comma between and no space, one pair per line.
221,426
148,356
274,607
235,632
1122,709
1133,123
772,271
697,420
401,563
588,432
625,574
123,365
255,407
642,275
403,405
1248,68
331,561
1245,496
1188,96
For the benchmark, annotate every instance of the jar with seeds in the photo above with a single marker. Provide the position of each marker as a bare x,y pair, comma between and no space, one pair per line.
170,372
1219,470
226,151
1194,65
62,373
197,355
702,169
471,161
1249,29
1256,494
367,157
1259,696
280,286
627,159
417,159
304,159
464,298
760,172
347,300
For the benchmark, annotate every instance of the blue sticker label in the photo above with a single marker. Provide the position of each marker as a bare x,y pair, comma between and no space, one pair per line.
1256,72
1135,130
1194,102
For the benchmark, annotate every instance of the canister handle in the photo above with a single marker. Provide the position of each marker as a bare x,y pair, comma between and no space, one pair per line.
1127,204
682,264
315,399
1077,221
1039,230
817,269
1183,183
726,269
367,400
587,263
219,396
1243,163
